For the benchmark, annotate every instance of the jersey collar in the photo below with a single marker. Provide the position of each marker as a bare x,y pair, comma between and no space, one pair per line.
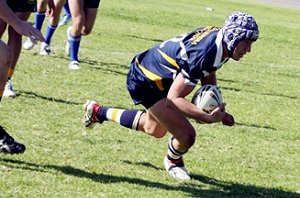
218,60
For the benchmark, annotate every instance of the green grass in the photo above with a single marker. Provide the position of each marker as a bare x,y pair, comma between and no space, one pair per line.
258,157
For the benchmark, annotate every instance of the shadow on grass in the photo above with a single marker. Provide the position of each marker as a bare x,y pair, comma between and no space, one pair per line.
267,94
217,188
146,39
146,164
112,68
105,67
30,94
256,126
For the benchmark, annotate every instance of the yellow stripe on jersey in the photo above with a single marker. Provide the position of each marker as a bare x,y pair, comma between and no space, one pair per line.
169,59
157,79
199,35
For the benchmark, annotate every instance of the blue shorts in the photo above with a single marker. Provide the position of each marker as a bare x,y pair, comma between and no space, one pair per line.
91,3
22,5
142,90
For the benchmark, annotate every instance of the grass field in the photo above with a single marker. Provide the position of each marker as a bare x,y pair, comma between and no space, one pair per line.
258,157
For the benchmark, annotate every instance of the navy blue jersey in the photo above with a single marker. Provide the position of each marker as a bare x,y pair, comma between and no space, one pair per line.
195,55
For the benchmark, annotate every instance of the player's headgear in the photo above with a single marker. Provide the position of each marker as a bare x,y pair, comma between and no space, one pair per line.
239,26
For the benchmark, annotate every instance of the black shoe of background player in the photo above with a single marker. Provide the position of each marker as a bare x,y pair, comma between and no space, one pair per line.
8,144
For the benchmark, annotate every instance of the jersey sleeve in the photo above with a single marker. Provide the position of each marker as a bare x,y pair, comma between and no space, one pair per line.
199,58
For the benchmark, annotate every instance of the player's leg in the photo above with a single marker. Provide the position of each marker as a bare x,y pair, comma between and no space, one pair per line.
6,57
40,14
15,39
74,32
83,23
95,113
156,122
90,16
3,26
15,43
67,8
130,118
183,137
67,16
39,18
51,27
8,144
91,10
175,123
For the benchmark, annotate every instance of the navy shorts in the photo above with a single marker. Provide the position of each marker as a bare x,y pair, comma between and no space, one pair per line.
91,3
142,90
22,5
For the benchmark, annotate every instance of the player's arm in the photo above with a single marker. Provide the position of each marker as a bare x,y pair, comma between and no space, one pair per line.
176,99
7,15
228,119
211,79
22,27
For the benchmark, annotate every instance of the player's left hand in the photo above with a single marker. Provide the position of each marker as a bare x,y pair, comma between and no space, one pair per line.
228,120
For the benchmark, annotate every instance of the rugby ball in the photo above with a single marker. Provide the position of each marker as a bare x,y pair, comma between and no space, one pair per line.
207,98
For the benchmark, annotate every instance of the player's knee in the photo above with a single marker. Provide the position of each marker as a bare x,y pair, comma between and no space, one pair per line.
155,131
159,133
188,139
86,31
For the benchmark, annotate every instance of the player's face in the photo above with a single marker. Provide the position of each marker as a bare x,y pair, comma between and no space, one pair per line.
241,49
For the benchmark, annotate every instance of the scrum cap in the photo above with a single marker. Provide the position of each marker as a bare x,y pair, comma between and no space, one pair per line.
239,26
